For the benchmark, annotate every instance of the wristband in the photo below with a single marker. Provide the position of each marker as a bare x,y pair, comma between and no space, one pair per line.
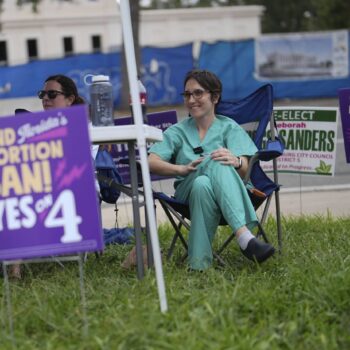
239,163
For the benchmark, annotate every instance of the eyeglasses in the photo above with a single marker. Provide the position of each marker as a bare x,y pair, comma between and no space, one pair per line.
51,94
197,94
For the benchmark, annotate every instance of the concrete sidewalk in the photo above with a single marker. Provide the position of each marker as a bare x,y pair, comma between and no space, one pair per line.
320,200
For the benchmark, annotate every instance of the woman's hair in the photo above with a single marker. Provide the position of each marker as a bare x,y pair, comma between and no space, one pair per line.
208,80
68,87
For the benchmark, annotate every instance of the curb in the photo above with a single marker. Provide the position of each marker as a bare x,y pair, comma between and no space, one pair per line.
324,188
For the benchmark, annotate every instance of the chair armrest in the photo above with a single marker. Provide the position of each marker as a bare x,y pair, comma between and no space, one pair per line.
118,186
274,149
252,161
266,155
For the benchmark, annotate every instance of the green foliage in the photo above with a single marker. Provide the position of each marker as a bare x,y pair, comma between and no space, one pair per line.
279,17
305,15
284,16
293,16
297,300
34,3
332,14
301,15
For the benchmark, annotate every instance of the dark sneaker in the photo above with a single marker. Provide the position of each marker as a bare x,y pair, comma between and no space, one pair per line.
258,251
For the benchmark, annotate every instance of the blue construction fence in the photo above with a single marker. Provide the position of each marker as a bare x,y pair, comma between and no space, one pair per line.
317,67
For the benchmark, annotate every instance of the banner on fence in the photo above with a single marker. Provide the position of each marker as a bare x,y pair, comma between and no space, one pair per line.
310,138
288,56
163,70
48,202
344,104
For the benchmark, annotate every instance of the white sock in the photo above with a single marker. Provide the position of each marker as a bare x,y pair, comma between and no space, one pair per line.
244,239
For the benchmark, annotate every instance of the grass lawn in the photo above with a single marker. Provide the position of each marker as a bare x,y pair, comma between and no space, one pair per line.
297,300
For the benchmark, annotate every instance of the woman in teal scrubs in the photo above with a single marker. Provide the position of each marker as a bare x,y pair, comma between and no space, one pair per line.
209,156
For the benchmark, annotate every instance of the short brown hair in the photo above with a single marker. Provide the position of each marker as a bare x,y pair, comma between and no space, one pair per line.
208,80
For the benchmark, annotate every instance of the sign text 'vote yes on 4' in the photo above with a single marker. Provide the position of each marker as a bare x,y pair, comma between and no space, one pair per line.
48,202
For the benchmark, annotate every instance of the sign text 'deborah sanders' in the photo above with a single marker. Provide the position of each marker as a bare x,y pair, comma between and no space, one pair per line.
309,136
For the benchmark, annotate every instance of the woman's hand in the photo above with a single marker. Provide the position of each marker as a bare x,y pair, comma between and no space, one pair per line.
190,167
224,156
161,167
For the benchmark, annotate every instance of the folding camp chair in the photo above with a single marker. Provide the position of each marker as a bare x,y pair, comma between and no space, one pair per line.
254,114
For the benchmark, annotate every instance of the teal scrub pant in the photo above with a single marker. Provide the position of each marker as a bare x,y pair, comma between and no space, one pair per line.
214,189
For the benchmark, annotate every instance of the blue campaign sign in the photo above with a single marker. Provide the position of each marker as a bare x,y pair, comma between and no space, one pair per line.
161,120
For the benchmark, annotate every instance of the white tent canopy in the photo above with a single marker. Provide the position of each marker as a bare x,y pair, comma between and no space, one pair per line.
141,142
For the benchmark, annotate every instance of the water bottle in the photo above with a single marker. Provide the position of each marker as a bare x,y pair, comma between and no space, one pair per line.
143,100
101,99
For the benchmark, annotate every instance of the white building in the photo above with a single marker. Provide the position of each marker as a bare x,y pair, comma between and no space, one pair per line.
61,28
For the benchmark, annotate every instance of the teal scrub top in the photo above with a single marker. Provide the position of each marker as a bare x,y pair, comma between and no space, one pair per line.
180,139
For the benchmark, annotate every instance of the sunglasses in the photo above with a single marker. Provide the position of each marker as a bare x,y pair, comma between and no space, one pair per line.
51,94
197,94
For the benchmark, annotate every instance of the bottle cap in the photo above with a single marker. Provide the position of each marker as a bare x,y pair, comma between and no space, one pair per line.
97,78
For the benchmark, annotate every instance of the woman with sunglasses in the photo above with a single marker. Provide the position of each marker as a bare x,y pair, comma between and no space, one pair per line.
211,154
59,91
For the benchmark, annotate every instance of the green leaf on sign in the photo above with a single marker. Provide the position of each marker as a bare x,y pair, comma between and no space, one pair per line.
323,168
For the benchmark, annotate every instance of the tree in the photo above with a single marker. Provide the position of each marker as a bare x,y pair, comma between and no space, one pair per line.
283,16
291,17
304,15
331,14
35,3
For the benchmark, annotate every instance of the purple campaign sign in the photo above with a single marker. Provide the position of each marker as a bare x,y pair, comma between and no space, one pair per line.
161,120
344,103
48,202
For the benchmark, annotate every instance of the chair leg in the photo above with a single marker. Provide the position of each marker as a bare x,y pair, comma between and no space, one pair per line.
219,259
184,257
261,232
226,243
278,219
177,235
172,246
266,210
150,261
177,227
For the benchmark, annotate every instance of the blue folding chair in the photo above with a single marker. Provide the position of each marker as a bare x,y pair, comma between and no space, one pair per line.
254,114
